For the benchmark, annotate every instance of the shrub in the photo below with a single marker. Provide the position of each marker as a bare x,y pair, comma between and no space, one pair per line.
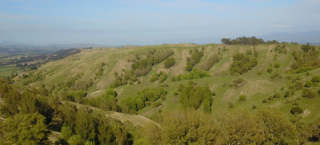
287,94
315,79
269,70
276,95
260,72
308,84
277,65
254,107
242,98
264,100
308,93
231,105
169,62
296,110
156,104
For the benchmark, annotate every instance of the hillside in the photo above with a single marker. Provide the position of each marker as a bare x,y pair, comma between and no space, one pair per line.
255,87
147,91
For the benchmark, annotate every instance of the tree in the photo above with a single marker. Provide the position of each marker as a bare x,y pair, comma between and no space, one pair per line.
24,129
66,132
277,129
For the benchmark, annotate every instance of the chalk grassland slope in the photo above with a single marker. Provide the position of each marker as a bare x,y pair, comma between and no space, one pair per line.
255,87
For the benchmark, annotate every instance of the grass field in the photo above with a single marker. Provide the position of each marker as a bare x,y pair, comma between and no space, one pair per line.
255,87
8,70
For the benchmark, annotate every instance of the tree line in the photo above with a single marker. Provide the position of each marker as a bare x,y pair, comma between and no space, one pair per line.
249,41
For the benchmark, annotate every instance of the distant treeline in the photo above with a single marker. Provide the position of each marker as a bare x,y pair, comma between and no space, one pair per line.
249,41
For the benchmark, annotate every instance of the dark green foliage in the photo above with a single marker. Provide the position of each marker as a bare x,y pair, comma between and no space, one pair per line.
66,132
259,72
141,67
230,105
308,93
194,74
319,91
254,107
246,41
106,102
308,61
264,101
242,98
277,65
210,62
142,99
100,70
238,81
161,76
295,110
315,79
193,96
156,104
242,63
195,58
287,94
169,62
306,48
308,84
303,69
24,129
276,75
276,95
269,70
280,48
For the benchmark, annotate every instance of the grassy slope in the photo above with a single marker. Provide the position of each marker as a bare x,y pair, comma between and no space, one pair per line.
256,87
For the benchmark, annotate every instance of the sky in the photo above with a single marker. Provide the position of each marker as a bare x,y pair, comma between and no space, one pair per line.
148,22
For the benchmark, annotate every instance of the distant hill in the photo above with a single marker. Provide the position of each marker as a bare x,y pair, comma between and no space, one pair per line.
313,37
16,47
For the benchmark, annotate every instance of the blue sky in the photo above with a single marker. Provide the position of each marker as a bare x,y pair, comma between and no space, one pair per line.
144,22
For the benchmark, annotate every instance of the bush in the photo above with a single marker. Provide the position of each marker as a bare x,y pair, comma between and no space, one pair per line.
308,84
308,93
231,105
276,95
169,62
260,72
315,79
156,104
264,100
254,107
238,81
277,65
242,98
295,110
287,94
269,70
